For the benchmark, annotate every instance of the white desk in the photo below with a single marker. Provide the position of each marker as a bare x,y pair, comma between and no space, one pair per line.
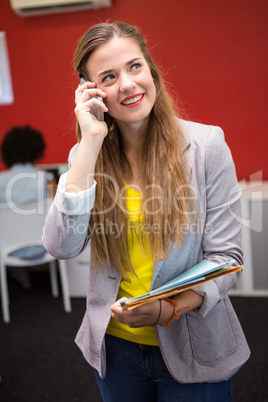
254,218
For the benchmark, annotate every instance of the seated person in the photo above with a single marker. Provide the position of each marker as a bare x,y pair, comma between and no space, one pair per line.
22,182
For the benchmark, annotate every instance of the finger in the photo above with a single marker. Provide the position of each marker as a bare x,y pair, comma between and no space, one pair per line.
117,303
82,87
90,105
87,84
90,88
117,309
144,313
85,96
95,102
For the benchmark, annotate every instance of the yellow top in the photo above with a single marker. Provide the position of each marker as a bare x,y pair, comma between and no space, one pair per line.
135,285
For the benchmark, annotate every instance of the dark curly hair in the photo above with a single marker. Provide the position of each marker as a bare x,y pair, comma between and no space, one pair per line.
22,145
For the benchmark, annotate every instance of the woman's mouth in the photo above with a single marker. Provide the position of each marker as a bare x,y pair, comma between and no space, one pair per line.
132,101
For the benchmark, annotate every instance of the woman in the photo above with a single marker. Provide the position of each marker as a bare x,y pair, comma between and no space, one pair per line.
160,204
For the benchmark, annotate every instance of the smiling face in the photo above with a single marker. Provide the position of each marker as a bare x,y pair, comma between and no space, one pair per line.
118,68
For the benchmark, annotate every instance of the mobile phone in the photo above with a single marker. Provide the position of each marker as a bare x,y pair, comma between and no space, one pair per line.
98,113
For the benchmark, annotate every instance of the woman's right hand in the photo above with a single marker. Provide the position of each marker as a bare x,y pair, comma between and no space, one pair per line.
93,132
85,100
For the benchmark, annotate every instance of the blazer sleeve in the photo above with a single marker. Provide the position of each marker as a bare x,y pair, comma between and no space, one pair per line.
65,233
221,240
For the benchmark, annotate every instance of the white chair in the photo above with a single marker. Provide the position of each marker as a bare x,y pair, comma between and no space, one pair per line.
22,227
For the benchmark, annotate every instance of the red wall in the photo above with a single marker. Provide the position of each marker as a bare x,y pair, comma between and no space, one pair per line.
215,54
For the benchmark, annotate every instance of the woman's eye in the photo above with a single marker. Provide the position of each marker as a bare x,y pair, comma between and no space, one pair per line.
135,66
108,78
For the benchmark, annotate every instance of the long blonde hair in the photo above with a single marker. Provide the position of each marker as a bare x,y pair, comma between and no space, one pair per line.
167,192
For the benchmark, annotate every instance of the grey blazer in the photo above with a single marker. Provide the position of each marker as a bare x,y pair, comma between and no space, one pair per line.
204,345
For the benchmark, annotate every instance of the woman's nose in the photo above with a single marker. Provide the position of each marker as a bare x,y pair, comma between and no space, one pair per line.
126,84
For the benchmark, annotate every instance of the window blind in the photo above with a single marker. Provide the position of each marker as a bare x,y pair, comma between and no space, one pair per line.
6,92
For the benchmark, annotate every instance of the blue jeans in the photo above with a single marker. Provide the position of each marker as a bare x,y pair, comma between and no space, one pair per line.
137,373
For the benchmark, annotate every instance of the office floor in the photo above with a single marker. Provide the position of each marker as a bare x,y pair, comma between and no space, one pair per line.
39,360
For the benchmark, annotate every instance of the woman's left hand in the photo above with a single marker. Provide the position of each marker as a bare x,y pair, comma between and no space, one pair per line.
149,313
143,316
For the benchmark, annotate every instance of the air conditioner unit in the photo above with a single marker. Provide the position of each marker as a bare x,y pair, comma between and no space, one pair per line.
25,8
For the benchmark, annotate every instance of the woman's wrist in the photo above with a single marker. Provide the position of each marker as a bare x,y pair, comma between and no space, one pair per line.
173,309
177,311
81,173
167,312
